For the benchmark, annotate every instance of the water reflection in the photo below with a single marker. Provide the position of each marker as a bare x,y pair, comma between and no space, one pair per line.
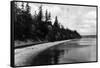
72,51
50,56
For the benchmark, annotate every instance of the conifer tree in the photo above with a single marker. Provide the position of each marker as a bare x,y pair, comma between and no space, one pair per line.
27,8
22,5
46,16
40,15
49,16
56,25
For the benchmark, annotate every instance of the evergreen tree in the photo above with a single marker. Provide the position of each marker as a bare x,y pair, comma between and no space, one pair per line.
22,5
49,16
46,16
40,15
27,8
56,24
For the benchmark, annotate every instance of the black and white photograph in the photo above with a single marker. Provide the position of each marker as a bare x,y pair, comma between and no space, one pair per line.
52,34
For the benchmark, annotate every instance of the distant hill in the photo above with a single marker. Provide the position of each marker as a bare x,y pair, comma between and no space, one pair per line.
92,36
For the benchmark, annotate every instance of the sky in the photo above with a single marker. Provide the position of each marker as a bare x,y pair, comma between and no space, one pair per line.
79,18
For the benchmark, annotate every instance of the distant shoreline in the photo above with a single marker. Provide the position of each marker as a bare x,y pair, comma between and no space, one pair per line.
88,36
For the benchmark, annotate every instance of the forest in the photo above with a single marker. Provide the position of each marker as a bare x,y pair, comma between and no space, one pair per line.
38,27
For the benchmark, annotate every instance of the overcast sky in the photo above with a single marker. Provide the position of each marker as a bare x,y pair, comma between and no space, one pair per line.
80,18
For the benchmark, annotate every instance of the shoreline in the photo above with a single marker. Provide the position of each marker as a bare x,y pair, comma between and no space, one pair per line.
23,55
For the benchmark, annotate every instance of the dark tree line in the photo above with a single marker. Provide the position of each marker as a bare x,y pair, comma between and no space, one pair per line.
35,28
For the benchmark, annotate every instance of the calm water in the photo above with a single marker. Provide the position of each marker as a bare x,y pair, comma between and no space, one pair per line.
80,50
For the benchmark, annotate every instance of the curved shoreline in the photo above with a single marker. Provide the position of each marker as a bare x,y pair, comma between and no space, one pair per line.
24,56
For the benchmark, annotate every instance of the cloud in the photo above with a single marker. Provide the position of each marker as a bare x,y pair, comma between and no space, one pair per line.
91,15
89,23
